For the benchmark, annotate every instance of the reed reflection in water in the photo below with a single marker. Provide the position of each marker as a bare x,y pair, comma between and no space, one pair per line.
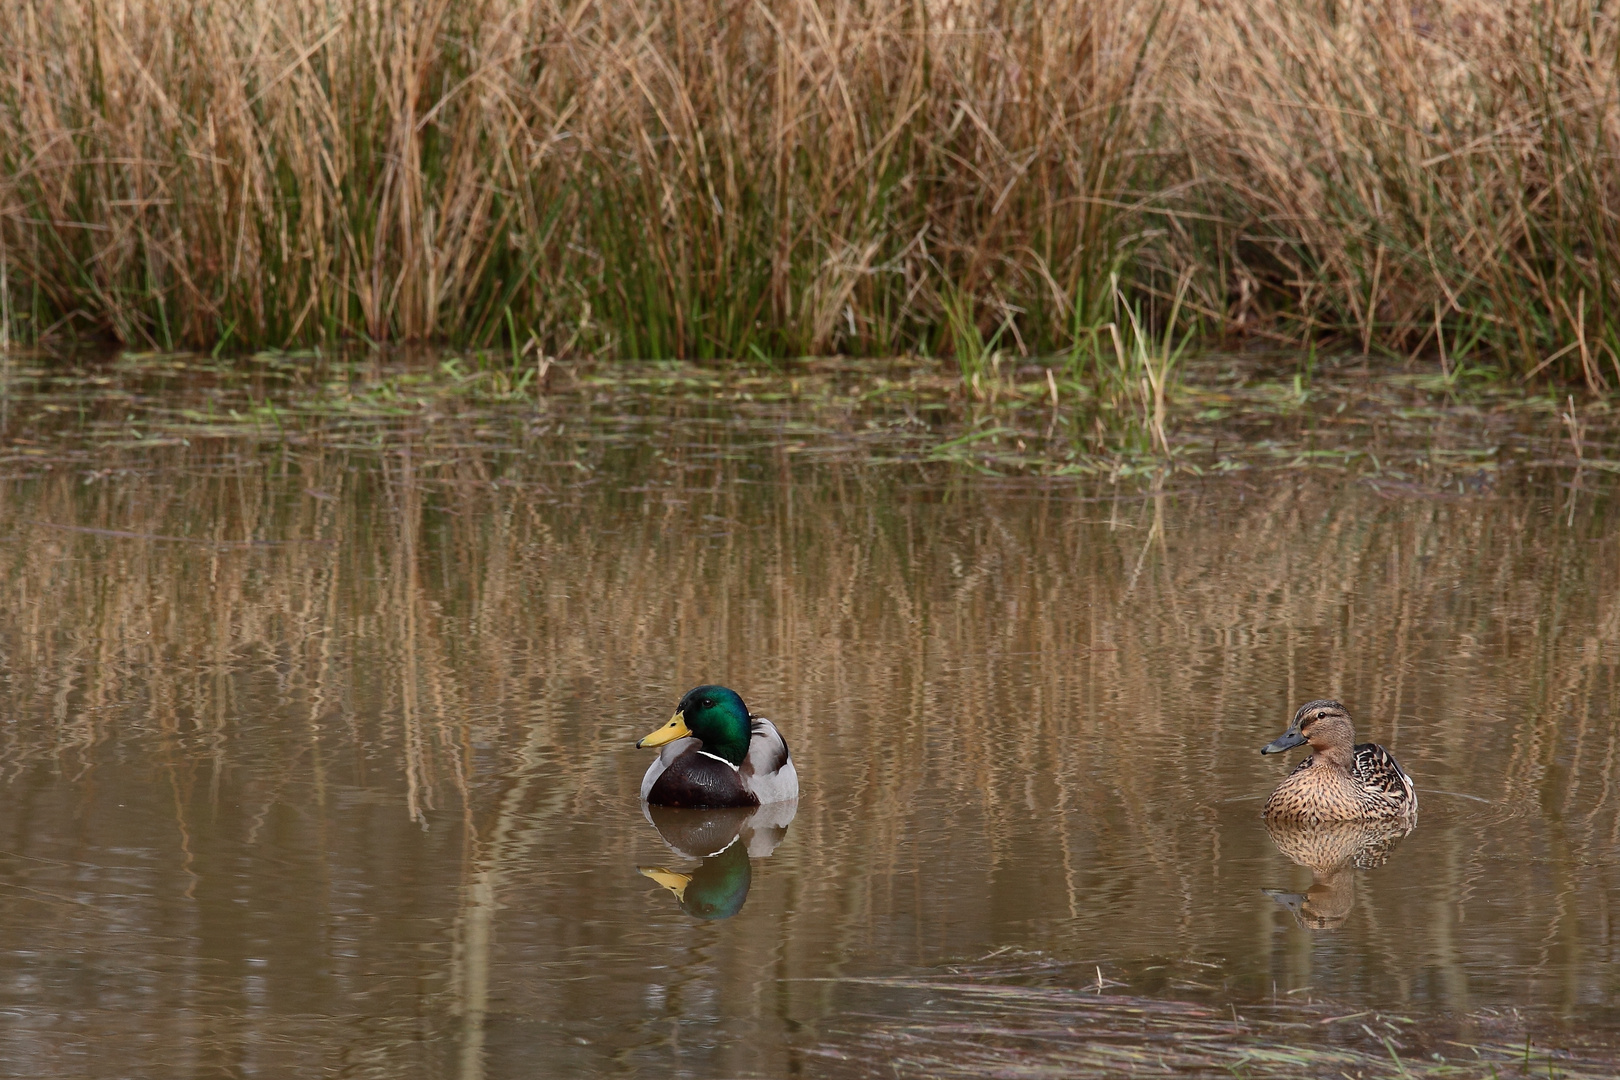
322,759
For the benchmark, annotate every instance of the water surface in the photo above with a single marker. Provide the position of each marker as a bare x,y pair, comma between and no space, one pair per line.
317,751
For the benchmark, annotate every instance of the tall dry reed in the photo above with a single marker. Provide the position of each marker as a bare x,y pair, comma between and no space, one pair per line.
651,179
723,178
1434,177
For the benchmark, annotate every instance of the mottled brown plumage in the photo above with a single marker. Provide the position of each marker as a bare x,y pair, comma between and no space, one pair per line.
1333,850
1362,845
1339,780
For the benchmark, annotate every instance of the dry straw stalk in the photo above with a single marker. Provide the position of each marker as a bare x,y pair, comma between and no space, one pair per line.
724,178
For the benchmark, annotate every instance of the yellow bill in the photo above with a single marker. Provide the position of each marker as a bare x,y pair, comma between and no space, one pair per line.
675,729
669,879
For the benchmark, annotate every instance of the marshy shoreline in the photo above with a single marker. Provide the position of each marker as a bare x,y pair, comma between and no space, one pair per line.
1434,181
1395,427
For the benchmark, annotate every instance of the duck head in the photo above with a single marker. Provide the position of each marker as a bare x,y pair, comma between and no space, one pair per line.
1324,724
716,716
716,890
1326,904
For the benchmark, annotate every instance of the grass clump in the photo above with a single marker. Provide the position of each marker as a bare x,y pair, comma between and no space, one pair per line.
971,1027
1434,179
689,179
720,179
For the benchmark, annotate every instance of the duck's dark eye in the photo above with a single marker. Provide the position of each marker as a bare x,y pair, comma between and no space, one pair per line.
707,703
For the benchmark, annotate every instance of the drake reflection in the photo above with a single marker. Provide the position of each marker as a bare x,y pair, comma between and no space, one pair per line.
725,841
1333,851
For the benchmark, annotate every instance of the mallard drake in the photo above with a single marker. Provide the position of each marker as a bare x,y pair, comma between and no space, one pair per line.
1338,780
716,754
716,890
725,841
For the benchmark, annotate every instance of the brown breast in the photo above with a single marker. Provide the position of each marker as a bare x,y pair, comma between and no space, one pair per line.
697,780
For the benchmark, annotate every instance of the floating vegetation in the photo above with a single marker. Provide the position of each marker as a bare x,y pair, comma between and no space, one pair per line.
1399,431
962,1026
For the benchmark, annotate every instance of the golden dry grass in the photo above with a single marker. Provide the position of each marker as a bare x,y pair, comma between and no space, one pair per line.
719,179
1426,177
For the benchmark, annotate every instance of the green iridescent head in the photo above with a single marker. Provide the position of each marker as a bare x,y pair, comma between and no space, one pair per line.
715,890
716,716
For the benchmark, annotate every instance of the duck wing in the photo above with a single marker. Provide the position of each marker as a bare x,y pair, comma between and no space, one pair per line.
1382,779
768,771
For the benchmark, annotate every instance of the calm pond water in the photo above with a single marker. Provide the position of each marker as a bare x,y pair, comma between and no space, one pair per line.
317,750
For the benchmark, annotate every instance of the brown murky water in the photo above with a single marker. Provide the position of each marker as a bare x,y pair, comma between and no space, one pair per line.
316,750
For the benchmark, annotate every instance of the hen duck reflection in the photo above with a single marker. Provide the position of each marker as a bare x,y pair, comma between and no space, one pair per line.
1333,851
726,841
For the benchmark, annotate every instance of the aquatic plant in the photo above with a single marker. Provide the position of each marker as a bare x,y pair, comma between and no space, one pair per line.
690,179
721,179
1434,178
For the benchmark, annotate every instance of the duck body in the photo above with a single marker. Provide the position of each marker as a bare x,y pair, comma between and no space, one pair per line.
1340,780
715,753
1331,845
724,841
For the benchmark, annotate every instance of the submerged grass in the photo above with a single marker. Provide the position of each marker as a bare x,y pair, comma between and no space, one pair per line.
967,1026
1147,415
729,179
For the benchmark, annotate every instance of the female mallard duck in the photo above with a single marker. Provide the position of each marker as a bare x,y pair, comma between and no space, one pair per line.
1338,781
716,753
1333,851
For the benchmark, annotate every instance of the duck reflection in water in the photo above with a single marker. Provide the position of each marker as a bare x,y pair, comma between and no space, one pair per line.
726,841
1333,851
